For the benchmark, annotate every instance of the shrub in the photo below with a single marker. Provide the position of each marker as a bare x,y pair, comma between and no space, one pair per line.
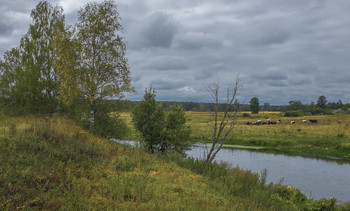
161,130
245,115
293,113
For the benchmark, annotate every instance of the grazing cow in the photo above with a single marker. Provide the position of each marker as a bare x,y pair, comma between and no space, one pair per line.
313,120
264,123
258,122
248,123
292,122
272,123
304,121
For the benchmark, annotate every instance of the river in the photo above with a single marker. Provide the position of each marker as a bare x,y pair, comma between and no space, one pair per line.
316,178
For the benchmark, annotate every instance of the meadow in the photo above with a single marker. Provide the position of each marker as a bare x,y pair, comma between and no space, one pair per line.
52,163
329,138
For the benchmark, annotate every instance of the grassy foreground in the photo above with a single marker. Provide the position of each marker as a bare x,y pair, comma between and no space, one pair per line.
51,163
330,137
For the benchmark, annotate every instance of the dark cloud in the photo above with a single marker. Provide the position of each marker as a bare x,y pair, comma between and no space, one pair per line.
204,74
6,28
273,74
167,63
270,38
196,41
157,30
166,84
283,50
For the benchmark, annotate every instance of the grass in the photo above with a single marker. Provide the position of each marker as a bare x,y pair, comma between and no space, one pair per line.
330,137
51,163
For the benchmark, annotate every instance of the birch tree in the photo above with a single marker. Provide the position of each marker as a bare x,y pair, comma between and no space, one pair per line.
37,47
12,88
222,123
102,65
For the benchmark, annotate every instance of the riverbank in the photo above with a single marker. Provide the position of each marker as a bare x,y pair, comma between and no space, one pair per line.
328,138
51,163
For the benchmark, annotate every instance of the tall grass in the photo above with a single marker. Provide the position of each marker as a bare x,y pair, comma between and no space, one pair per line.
251,188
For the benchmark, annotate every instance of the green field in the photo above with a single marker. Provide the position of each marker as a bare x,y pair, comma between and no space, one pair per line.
329,138
53,164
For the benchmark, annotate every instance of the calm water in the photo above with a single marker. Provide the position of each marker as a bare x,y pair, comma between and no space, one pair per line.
314,177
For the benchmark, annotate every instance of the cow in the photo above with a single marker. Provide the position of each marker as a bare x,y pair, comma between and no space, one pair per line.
313,120
304,121
248,123
292,122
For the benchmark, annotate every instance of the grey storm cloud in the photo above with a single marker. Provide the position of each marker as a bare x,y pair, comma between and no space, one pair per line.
282,50
157,30
167,63
166,84
272,73
197,40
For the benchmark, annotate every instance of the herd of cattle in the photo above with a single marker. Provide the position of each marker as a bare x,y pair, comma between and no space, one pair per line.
269,122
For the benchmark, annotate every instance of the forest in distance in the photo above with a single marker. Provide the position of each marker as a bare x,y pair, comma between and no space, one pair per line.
127,105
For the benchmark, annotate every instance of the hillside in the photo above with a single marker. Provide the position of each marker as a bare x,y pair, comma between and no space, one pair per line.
51,163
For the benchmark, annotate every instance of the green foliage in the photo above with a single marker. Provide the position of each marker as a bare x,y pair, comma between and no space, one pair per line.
59,68
11,82
38,57
161,130
322,102
108,126
346,106
103,70
293,113
295,105
254,105
245,115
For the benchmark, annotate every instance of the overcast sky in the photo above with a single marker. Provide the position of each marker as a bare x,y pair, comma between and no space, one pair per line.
282,50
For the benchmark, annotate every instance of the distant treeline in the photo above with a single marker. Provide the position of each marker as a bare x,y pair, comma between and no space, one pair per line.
127,105
295,108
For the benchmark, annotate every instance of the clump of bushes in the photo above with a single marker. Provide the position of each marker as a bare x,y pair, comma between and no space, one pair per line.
161,130
245,115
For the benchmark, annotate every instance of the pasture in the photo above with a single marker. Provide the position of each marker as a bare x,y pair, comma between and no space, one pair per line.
330,136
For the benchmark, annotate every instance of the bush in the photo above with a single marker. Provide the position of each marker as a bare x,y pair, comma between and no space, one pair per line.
293,113
161,130
245,115
106,125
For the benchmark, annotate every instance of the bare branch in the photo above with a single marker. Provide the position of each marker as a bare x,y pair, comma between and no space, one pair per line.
230,115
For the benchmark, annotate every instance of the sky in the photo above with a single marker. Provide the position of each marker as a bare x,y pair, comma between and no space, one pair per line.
282,50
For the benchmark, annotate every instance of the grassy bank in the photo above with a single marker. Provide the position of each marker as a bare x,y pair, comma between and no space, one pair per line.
51,163
330,137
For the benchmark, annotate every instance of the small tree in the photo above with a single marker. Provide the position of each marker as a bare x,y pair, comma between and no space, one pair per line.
322,102
254,105
295,105
161,130
221,128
